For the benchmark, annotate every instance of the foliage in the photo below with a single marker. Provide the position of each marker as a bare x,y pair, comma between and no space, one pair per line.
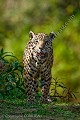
65,96
11,81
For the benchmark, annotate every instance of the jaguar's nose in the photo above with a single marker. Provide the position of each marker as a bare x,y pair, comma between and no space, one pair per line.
42,50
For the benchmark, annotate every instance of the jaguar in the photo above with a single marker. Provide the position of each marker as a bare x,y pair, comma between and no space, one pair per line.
38,61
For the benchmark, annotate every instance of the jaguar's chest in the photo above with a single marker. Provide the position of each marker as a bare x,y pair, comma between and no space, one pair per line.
39,59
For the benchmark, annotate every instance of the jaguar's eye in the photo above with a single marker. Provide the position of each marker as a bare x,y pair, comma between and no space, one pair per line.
36,41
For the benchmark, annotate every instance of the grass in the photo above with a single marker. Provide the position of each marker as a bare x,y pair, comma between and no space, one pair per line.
20,110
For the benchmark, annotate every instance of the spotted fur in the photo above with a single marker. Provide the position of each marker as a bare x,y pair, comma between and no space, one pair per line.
38,61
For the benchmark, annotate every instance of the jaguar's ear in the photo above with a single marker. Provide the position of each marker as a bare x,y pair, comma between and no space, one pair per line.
52,35
31,34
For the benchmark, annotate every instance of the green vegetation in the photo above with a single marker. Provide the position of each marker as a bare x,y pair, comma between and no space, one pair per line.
11,80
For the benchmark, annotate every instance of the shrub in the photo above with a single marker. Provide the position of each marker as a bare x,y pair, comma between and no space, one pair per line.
11,76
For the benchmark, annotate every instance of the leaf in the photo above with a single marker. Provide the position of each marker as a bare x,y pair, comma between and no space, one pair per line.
21,89
2,50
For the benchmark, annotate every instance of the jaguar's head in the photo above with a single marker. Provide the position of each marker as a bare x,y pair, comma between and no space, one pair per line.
42,43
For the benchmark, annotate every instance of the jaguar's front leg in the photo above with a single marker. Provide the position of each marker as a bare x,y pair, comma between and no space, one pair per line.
29,89
46,86
30,85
